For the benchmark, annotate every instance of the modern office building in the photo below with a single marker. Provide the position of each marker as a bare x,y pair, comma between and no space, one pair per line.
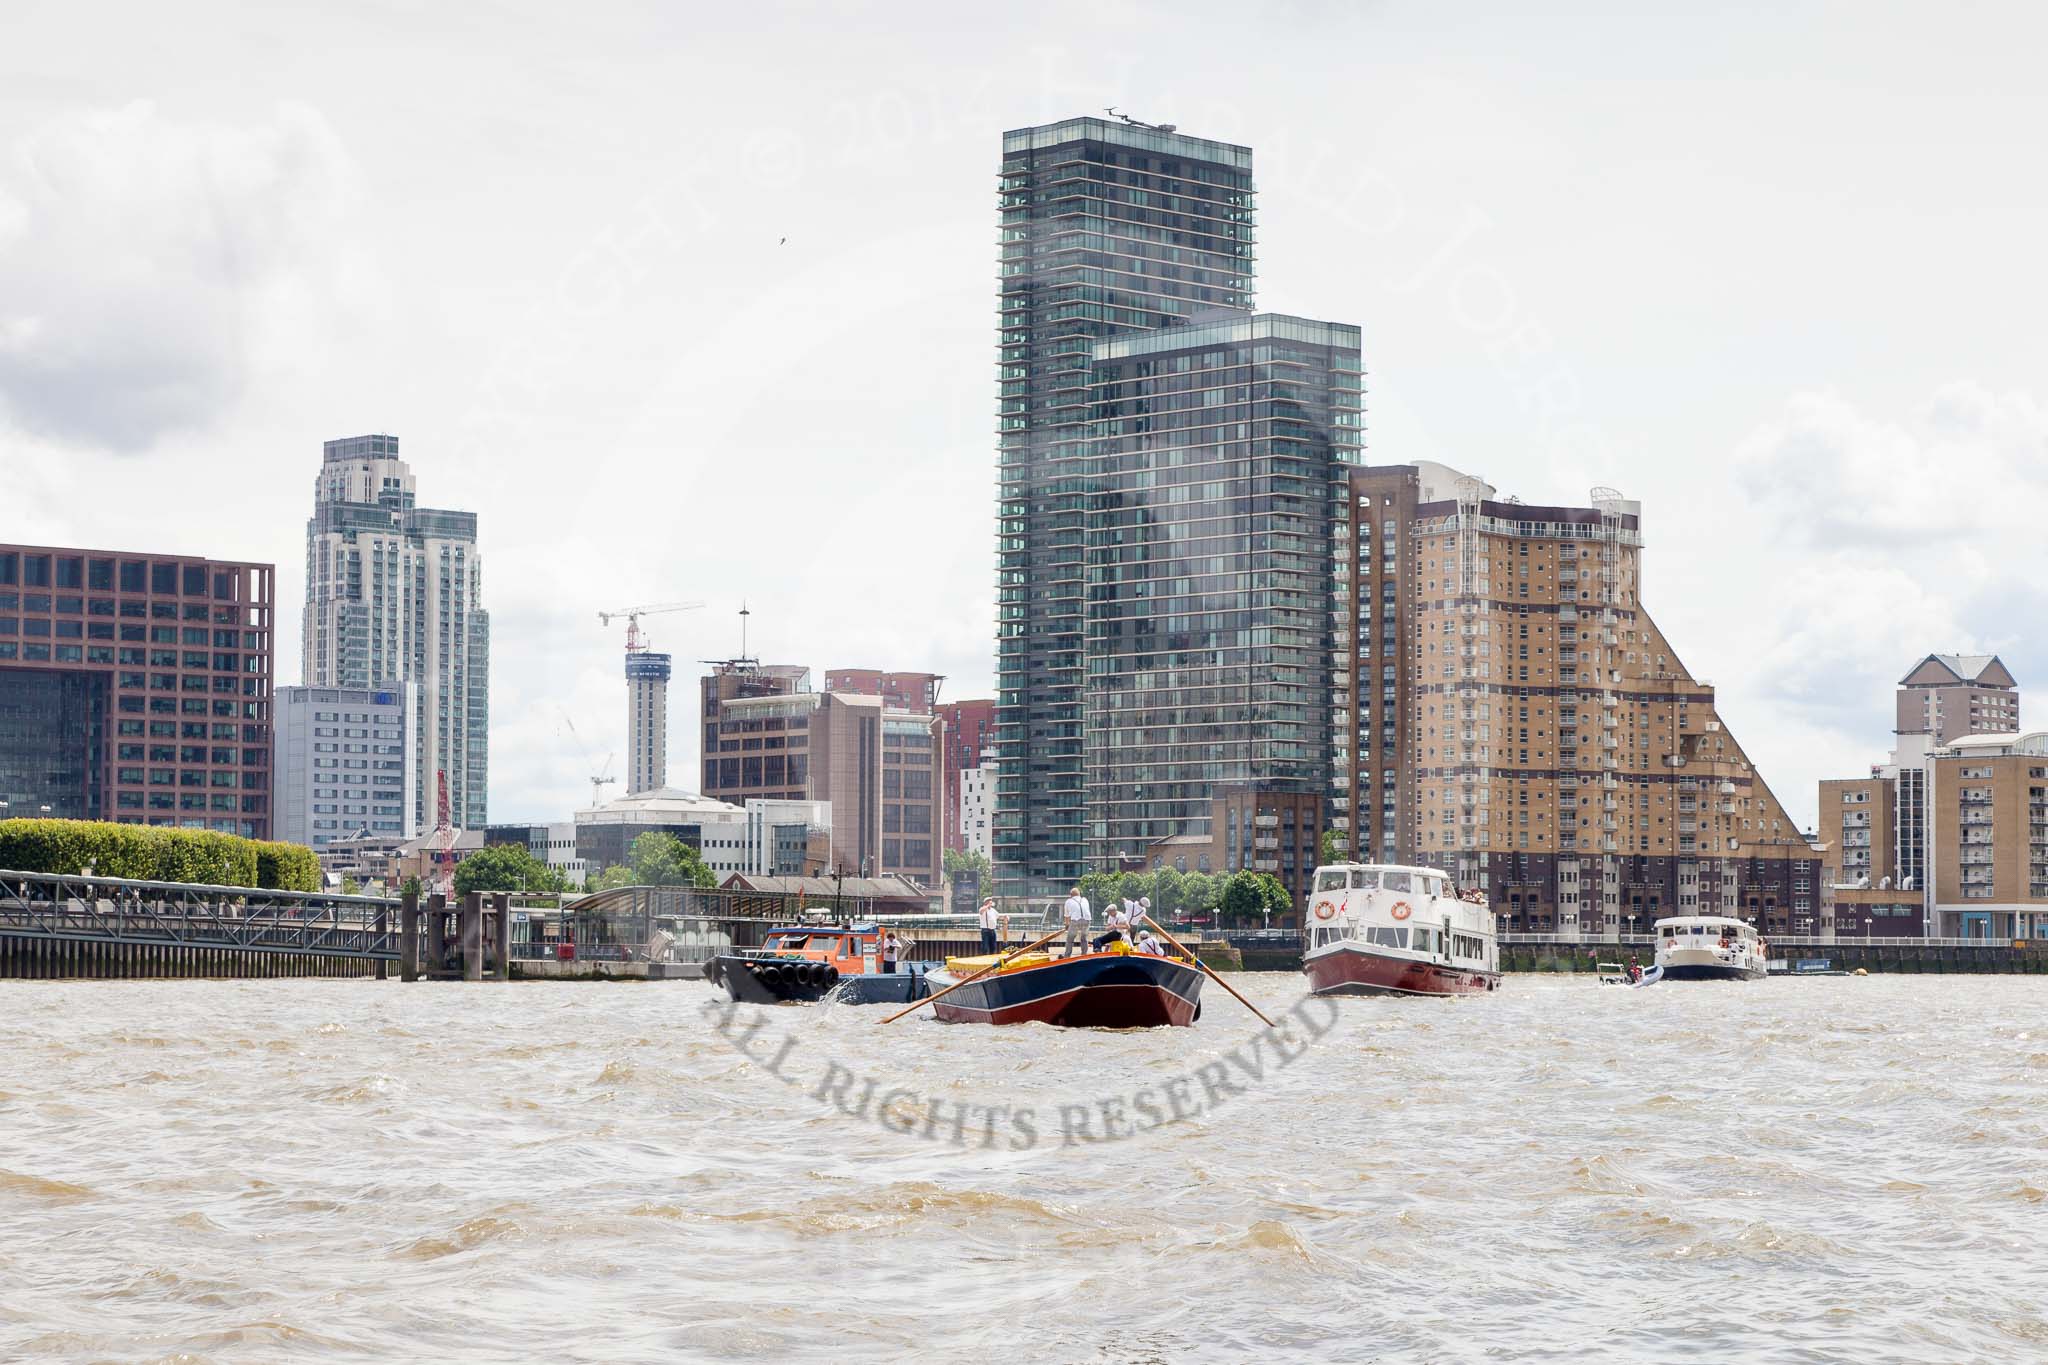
1948,696
344,763
394,594
761,837
969,726
734,680
1505,708
1988,836
877,767
1165,462
647,675
136,688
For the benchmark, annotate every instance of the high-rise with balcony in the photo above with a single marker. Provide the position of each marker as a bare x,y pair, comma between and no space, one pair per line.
1506,709
394,595
1165,459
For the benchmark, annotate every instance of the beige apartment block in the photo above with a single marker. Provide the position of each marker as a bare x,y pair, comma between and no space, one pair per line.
1507,710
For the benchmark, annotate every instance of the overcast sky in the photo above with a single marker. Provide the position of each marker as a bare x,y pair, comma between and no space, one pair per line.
1777,274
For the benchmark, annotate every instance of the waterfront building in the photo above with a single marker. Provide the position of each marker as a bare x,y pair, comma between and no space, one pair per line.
647,675
1885,836
344,763
1948,696
136,688
394,595
763,836
969,726
553,844
1166,461
1252,829
1505,708
1988,836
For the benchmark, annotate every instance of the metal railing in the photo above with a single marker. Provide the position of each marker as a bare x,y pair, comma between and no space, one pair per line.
117,910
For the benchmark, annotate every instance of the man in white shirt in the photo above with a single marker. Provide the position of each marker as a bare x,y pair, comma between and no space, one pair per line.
1118,925
1075,916
1148,942
989,924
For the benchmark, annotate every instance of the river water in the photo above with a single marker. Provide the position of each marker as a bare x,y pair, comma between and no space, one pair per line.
1811,1170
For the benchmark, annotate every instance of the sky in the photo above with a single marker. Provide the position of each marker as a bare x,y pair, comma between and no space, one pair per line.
698,303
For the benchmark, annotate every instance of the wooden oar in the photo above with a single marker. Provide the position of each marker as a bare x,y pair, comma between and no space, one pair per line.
1001,958
1205,968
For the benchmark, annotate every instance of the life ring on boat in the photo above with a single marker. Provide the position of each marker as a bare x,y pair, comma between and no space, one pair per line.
1401,910
1326,910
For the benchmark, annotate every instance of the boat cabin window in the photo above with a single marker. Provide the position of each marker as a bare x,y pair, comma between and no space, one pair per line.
1398,881
1386,937
1433,886
1369,881
1330,881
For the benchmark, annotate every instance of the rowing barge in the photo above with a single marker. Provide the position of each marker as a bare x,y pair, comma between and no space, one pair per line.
1118,989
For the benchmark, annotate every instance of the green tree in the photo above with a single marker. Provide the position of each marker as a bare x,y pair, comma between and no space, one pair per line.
1199,892
351,887
1167,892
1099,888
611,878
505,867
959,860
1273,894
663,860
411,887
1335,848
1242,897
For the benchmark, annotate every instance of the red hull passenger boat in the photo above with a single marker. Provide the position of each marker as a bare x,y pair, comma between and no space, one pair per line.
1376,930
1093,990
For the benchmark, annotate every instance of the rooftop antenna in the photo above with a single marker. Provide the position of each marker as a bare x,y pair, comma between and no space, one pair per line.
744,614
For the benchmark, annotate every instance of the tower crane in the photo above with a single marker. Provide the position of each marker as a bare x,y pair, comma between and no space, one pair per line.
635,641
598,780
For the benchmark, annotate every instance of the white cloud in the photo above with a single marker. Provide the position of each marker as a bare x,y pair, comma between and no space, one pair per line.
1885,539
1966,463
148,268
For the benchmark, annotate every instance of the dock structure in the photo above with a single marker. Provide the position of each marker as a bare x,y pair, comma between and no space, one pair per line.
56,926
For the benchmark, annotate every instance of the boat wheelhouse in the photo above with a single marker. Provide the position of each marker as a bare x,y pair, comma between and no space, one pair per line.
1386,929
1709,948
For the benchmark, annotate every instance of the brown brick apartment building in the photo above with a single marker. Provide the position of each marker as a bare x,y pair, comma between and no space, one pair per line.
1507,710
136,688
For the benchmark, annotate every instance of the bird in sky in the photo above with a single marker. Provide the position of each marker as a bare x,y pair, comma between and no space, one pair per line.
784,241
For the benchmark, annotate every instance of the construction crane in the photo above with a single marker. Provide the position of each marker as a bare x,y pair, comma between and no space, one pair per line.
440,847
598,780
635,641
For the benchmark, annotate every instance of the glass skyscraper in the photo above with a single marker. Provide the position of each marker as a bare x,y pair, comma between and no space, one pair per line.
1167,461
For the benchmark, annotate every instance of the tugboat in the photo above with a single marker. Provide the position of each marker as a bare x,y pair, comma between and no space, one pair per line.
806,965
1389,930
1115,989
1709,948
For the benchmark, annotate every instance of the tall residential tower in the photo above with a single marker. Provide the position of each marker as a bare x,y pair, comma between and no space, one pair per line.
394,594
1166,462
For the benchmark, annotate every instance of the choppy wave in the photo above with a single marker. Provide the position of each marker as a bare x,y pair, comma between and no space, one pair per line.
1830,1169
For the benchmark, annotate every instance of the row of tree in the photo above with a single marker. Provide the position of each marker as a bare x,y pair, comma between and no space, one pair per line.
1238,897
655,859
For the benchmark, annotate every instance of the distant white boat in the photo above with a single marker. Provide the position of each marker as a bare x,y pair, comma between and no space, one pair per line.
1708,948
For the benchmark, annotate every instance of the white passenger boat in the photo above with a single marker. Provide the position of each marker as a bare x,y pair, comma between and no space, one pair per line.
1375,930
1708,948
